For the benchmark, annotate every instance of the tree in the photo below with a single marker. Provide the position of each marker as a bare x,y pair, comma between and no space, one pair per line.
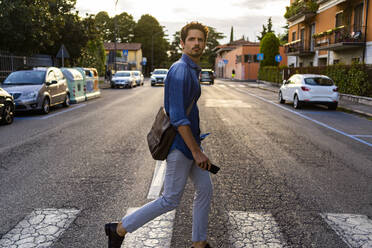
269,46
151,35
125,28
103,22
283,38
209,57
25,28
175,50
265,29
232,35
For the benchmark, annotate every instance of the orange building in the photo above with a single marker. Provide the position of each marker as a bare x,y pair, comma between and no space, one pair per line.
240,56
328,32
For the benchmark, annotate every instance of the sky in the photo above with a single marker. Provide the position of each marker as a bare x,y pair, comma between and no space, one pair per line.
245,16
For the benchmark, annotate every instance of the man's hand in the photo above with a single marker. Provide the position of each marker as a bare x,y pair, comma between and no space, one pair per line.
201,160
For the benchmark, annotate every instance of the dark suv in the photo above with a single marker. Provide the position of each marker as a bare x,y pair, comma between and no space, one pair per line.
6,107
206,76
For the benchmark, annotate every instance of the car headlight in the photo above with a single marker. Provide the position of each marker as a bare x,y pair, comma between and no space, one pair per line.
153,78
30,95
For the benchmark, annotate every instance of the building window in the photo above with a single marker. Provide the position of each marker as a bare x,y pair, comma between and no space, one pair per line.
358,16
301,64
294,36
255,59
238,59
355,60
336,61
311,64
339,19
248,58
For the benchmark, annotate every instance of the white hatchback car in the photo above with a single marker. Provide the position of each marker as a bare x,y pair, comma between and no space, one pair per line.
309,88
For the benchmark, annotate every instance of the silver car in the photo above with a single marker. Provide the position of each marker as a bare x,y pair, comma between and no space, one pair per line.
124,79
139,77
37,89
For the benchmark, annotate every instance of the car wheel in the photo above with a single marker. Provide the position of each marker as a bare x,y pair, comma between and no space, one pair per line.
46,106
281,100
66,103
296,102
8,114
332,106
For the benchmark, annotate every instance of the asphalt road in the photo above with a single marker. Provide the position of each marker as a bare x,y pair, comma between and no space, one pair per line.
296,165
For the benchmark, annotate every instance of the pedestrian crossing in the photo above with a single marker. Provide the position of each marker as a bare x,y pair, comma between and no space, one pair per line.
43,227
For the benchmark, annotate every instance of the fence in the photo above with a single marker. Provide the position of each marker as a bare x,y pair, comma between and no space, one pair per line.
10,63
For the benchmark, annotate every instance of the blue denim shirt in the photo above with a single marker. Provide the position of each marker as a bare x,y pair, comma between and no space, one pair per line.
181,87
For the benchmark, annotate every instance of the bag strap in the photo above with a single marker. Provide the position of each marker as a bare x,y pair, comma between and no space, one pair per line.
190,107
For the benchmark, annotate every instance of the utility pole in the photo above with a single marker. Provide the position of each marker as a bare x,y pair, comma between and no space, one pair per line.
116,29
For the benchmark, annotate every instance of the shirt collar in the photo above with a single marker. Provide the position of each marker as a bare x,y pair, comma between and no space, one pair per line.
189,61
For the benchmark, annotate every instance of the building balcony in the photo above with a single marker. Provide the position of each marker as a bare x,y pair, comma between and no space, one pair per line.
301,9
340,39
298,48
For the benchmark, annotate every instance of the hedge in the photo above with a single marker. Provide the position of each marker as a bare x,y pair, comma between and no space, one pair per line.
353,79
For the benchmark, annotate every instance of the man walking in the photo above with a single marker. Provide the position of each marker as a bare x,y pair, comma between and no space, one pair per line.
185,159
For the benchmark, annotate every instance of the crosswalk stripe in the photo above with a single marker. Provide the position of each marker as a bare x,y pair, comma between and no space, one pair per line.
355,230
222,103
156,233
157,180
254,229
40,228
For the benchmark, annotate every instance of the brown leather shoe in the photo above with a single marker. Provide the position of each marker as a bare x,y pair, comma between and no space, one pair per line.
114,239
206,246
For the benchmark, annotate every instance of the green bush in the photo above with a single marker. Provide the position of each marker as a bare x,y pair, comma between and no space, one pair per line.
272,74
269,46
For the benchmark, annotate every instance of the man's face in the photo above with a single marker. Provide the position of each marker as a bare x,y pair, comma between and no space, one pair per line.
194,43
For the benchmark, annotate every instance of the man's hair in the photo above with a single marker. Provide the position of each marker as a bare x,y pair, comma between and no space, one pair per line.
194,25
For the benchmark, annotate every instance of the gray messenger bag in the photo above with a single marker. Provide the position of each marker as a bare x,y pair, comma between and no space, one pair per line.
162,133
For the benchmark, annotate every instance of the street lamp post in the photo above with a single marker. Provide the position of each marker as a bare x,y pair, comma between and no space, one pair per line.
115,33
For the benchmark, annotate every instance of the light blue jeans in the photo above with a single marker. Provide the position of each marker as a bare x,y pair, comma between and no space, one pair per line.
179,168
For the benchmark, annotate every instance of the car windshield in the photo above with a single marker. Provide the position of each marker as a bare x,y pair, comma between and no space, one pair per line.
25,77
122,74
320,81
160,72
136,74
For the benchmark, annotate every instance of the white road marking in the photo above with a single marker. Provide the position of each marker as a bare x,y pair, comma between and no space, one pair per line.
308,118
365,136
355,230
221,103
39,229
254,229
156,233
221,85
64,111
157,180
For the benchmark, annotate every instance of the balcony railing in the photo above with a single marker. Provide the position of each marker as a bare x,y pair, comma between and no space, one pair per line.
339,39
298,48
301,8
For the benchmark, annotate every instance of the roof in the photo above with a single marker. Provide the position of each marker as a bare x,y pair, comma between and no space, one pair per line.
122,46
232,45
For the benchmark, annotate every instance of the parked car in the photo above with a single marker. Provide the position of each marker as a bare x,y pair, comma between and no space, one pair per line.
206,75
309,89
37,89
6,107
139,77
158,76
124,79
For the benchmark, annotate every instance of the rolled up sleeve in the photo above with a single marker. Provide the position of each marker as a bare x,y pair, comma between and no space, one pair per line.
177,95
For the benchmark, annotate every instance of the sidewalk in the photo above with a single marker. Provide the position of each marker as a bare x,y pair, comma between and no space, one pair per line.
347,103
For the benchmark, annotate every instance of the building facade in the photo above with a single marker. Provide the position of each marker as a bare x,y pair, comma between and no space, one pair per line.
240,56
128,56
327,32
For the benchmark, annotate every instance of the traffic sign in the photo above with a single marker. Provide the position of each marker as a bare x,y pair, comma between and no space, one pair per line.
225,61
260,56
125,53
278,58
